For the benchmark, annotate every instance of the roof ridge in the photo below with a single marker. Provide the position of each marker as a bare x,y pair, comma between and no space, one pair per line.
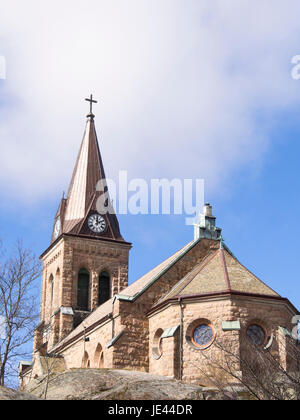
224,266
165,266
89,207
254,275
208,258
229,250
194,272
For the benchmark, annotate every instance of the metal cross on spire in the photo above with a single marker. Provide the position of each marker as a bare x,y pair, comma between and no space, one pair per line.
91,101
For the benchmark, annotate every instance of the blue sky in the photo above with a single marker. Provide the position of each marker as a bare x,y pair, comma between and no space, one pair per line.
197,89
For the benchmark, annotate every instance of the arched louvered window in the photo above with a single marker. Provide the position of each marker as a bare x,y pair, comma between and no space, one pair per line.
104,287
83,290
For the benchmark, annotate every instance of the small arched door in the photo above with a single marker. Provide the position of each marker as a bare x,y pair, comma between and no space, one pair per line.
104,287
83,290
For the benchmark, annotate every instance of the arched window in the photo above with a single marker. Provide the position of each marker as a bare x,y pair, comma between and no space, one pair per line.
86,360
83,290
99,357
157,348
56,290
101,362
51,282
104,287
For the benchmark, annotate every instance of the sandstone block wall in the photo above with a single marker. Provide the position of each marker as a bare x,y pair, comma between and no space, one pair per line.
60,277
168,363
135,353
201,365
134,350
92,353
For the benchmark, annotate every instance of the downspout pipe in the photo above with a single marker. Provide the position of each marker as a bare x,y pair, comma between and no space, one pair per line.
181,340
113,320
84,341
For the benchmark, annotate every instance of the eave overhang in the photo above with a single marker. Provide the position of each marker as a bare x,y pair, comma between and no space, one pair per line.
82,333
199,297
93,238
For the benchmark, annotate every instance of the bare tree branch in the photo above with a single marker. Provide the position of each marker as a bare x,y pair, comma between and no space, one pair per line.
260,371
18,307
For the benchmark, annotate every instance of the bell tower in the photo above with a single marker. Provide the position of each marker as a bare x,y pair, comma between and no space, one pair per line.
87,260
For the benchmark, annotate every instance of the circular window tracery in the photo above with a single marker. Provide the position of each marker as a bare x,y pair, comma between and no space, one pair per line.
203,335
256,335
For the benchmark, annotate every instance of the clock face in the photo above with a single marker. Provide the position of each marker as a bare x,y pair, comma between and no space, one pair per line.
57,229
97,223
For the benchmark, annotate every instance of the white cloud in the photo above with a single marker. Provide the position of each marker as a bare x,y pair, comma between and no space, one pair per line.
179,86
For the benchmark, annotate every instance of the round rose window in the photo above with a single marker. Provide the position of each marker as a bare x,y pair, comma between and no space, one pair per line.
203,335
256,335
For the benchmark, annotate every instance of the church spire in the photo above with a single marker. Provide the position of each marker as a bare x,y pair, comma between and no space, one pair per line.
80,204
87,172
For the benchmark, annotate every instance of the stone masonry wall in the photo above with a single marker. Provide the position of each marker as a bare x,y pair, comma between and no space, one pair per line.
60,275
95,256
168,363
196,367
199,366
134,349
134,353
93,351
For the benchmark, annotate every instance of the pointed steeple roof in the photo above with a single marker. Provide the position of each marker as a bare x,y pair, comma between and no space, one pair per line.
85,190
87,172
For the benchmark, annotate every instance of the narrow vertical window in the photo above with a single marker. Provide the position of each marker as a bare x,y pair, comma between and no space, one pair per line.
104,287
83,290
51,280
56,291
99,358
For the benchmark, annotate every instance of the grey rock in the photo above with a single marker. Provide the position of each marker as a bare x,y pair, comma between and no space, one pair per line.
7,394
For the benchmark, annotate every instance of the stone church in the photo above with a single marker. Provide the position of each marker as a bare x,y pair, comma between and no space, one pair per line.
162,323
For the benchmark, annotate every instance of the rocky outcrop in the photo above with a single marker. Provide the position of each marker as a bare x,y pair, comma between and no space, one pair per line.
108,384
8,394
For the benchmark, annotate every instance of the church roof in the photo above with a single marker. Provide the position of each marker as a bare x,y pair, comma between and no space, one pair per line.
219,273
87,172
131,291
85,190
146,280
102,313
